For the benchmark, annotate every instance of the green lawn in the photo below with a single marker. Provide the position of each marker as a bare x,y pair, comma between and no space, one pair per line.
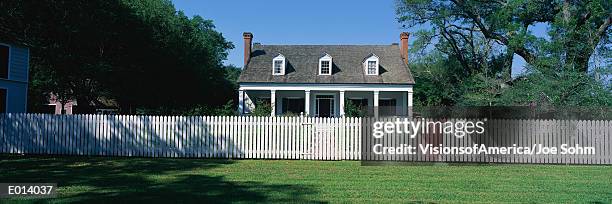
99,179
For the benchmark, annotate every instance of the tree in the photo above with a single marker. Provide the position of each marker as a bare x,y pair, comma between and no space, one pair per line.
577,27
142,54
464,54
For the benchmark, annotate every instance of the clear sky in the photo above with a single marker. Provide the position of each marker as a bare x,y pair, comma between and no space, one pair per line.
303,22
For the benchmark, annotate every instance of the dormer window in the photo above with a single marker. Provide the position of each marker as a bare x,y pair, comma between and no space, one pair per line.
372,67
325,65
278,65
371,64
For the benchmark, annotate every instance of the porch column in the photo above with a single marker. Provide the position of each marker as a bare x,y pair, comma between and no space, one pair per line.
376,103
410,103
404,104
273,102
240,102
307,102
341,103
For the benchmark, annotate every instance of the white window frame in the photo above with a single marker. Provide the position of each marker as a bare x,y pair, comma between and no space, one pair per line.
8,67
328,58
373,57
284,62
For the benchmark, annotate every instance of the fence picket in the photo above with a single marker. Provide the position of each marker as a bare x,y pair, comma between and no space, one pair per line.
249,137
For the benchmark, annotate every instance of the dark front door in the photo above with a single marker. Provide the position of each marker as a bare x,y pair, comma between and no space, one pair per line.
325,106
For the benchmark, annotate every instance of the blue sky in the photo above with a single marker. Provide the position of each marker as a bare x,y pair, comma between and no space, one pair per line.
304,22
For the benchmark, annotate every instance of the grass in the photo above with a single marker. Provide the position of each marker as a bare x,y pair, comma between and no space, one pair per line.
99,179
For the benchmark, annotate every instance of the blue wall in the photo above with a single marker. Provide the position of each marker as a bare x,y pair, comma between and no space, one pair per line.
17,84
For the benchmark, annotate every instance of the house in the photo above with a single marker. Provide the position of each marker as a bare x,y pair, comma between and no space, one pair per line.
101,105
14,65
55,106
318,80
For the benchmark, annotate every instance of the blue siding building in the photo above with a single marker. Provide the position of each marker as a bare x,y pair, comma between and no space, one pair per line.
14,66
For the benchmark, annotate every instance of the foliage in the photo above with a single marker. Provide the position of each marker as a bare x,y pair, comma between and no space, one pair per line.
568,88
141,53
231,74
464,51
436,79
262,108
353,110
229,109
469,29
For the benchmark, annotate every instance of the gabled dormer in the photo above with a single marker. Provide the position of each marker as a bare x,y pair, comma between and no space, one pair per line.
278,65
325,64
371,64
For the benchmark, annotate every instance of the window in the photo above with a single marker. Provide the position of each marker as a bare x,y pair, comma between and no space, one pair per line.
387,107
325,65
278,65
2,100
4,61
325,70
371,67
293,105
371,64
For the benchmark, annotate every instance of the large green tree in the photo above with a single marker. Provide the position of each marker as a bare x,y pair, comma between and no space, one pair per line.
139,53
465,48
577,27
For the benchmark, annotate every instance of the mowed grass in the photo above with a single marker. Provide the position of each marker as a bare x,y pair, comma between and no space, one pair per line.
107,180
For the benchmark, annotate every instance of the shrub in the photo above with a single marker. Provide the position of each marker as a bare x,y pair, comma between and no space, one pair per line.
353,110
262,108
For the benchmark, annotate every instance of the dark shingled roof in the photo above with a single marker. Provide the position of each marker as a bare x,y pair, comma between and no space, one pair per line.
302,64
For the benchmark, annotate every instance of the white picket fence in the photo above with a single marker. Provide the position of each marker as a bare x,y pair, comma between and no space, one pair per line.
182,136
246,137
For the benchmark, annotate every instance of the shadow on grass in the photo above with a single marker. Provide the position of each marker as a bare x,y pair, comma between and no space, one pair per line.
105,180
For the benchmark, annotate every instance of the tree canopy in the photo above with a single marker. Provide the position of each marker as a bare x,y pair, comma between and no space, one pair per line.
143,54
465,48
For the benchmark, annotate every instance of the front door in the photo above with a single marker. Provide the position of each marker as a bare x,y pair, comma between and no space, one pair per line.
325,106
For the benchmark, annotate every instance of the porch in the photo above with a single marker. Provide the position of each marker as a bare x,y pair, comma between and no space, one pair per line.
327,100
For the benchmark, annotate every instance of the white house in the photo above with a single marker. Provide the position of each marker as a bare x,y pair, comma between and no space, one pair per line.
317,80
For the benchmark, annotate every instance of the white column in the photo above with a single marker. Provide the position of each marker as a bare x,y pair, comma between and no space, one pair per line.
240,102
376,103
410,99
410,104
341,103
404,103
273,102
307,102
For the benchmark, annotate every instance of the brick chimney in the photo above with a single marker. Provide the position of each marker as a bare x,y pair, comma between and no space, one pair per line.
248,38
404,46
